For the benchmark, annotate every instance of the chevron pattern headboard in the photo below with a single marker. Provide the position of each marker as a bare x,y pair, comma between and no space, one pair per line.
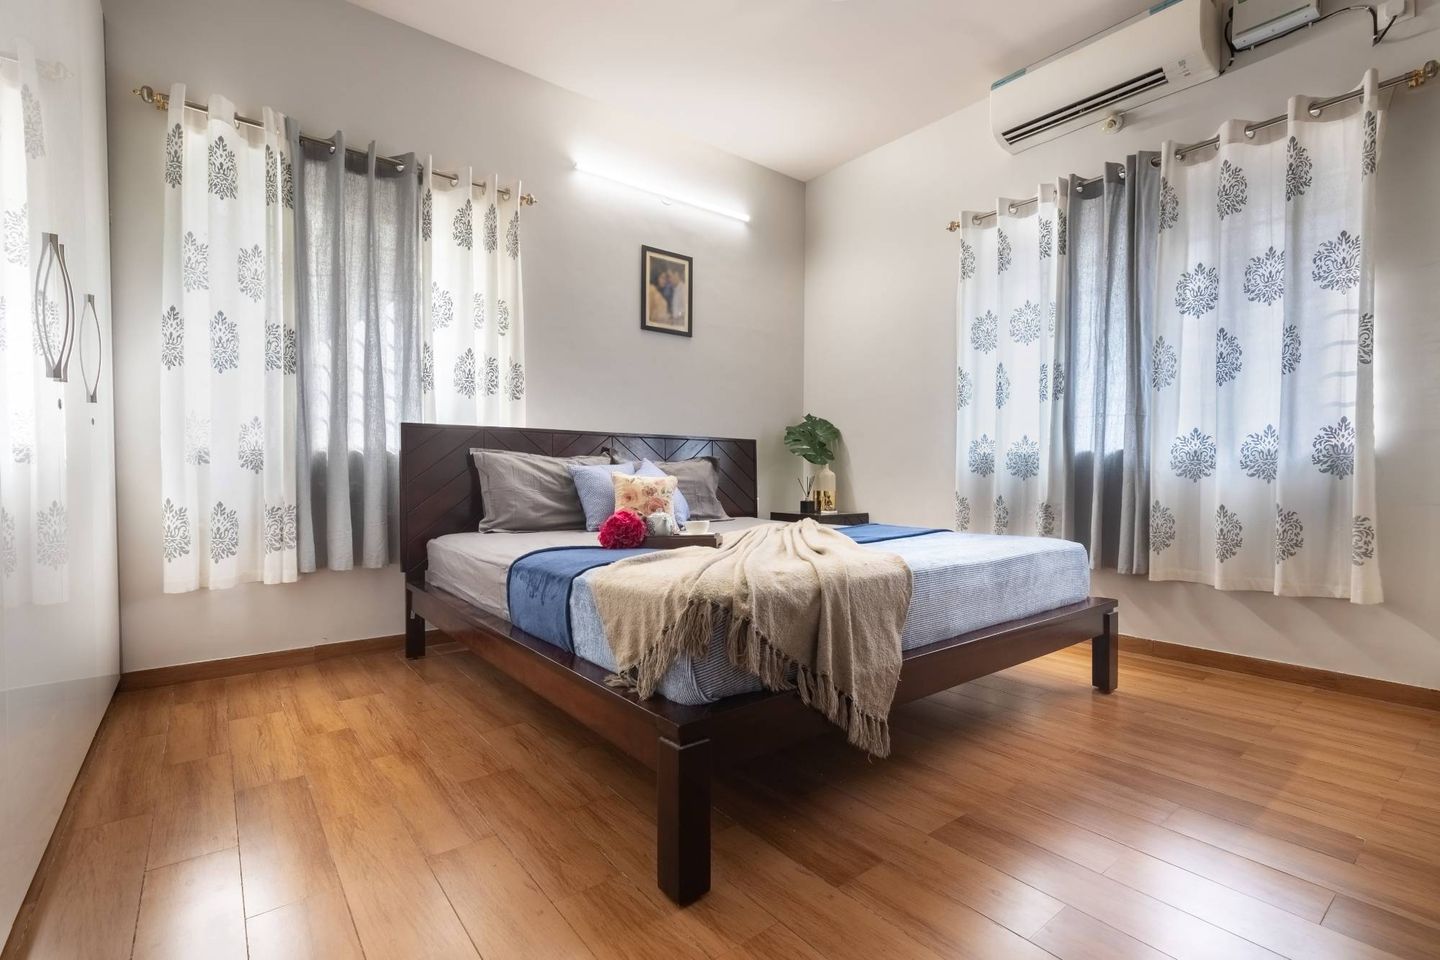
440,490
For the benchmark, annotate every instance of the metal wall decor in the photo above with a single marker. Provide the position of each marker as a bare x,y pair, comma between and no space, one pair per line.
54,304
92,391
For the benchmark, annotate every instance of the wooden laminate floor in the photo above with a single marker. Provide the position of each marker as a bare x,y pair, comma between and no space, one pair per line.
366,806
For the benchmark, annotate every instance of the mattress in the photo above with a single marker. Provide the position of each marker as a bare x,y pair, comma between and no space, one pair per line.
960,582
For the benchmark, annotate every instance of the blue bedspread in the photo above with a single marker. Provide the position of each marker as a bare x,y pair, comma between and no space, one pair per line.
539,585
538,588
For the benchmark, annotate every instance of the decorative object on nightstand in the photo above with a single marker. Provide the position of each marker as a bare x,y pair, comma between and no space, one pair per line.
807,498
813,439
838,519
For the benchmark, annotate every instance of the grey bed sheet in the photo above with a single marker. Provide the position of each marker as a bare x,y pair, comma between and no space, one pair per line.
960,582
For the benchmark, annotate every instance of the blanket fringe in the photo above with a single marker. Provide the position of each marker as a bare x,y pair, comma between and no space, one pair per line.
689,636
750,651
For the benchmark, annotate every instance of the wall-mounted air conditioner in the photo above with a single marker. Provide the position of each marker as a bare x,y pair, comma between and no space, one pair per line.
1172,46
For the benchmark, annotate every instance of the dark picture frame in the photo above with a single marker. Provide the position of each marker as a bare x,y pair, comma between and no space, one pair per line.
662,273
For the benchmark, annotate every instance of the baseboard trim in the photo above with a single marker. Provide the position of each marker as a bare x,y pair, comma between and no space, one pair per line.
1384,690
1387,691
235,666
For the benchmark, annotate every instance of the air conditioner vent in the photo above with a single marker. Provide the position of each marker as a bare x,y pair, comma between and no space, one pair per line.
1095,101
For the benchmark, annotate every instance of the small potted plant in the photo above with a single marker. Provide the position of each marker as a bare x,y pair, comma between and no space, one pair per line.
813,439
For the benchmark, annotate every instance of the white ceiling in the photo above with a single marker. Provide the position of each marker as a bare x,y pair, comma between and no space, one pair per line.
799,86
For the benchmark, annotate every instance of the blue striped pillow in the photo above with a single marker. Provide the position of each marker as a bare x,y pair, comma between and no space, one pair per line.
597,490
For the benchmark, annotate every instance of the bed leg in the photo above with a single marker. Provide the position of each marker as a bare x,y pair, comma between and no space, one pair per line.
414,632
682,819
1105,655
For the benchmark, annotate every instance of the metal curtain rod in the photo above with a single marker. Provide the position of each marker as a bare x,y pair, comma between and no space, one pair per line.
161,101
979,218
1412,79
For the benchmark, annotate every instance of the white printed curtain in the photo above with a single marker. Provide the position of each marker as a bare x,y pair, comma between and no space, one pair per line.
34,530
1263,474
473,352
1010,380
227,350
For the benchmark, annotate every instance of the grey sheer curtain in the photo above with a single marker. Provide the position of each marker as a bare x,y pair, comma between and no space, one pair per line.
357,259
1112,230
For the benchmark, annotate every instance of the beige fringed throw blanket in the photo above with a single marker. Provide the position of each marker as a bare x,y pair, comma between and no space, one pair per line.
801,596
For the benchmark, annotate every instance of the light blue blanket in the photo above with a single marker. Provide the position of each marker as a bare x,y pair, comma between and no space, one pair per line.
539,585
960,582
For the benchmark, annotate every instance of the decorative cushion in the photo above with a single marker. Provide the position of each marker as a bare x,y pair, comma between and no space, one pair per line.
700,482
596,490
682,506
645,495
529,491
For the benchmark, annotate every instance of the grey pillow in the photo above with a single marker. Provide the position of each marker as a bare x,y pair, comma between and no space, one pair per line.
528,491
700,482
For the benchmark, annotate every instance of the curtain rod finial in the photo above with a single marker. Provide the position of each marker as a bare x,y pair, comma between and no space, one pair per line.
147,94
954,225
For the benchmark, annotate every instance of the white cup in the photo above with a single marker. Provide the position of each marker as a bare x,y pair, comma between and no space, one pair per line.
697,527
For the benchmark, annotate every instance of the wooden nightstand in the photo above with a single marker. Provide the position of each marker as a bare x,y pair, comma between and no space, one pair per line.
839,519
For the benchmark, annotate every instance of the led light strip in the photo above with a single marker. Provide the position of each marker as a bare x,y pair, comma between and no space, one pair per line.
665,197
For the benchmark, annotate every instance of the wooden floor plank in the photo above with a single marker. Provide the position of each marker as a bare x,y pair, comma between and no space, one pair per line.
284,856
420,796
547,843
1300,897
265,748
399,908
618,922
1073,935
193,909
198,729
196,811
1151,921
946,926
1282,933
255,694
1381,928
506,914
316,928
833,923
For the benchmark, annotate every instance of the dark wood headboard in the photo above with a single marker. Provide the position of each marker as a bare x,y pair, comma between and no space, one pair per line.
440,490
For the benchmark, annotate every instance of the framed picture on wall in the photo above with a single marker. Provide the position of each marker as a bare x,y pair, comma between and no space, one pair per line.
666,293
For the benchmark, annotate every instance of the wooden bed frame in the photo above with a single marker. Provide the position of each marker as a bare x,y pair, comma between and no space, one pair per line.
440,494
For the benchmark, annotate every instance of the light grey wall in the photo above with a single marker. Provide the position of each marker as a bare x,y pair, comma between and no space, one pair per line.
333,65
880,275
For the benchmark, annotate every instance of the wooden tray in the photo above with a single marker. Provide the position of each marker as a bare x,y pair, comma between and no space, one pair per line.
681,540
